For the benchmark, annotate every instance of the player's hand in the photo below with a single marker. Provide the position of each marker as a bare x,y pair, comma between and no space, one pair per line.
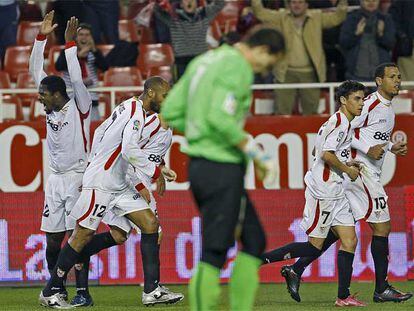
83,51
160,182
352,172
361,27
266,171
399,148
71,29
145,194
357,164
91,45
47,26
169,174
376,152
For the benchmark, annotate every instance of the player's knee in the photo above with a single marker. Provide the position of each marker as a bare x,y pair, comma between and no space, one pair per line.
151,225
349,243
80,237
119,236
381,229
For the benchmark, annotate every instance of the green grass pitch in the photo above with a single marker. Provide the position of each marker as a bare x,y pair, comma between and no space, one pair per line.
315,296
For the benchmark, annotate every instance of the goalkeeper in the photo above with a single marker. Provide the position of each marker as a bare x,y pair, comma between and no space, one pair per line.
209,104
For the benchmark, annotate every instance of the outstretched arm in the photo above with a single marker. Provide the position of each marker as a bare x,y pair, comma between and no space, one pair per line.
36,57
82,96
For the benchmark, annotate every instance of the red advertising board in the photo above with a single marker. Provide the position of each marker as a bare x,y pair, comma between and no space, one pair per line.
289,140
22,245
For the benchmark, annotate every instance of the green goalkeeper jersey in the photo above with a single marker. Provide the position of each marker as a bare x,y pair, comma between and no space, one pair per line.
209,105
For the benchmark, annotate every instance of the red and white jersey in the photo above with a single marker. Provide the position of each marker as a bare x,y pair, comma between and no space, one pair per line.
374,126
116,146
155,143
334,135
67,130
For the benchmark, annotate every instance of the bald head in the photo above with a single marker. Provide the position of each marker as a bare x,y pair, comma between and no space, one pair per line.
156,89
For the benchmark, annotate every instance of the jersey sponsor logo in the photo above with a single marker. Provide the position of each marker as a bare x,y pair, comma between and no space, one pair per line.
155,158
383,121
382,136
56,126
345,153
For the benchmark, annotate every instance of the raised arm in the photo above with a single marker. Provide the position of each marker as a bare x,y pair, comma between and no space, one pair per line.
332,19
212,9
36,57
265,15
82,96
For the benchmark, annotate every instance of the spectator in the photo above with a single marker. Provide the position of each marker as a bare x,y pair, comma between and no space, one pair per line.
188,26
90,59
103,16
9,16
367,38
305,58
402,12
64,10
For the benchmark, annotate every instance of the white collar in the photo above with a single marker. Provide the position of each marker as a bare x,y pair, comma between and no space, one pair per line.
382,99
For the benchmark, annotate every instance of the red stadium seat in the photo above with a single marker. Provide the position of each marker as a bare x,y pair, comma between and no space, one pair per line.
123,76
162,71
27,32
154,55
12,108
403,103
128,30
37,112
54,53
30,11
145,35
25,81
4,80
17,60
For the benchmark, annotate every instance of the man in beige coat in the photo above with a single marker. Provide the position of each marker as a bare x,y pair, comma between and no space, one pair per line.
305,57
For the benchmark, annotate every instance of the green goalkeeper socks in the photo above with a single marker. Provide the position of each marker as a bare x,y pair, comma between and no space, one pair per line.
244,281
204,289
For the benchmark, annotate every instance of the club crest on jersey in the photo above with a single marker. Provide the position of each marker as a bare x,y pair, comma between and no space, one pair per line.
377,214
230,104
136,125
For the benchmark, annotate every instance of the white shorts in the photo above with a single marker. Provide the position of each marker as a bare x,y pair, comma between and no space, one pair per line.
130,201
367,198
62,192
320,215
91,207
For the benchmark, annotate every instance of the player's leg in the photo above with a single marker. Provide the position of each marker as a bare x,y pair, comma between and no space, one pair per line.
89,211
317,216
217,189
245,278
293,273
384,292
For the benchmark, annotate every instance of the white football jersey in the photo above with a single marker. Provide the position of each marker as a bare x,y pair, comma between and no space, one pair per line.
67,130
114,147
334,135
374,126
155,143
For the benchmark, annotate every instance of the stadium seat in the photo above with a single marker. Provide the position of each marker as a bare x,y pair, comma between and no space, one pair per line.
162,71
30,11
12,108
17,60
145,35
128,30
25,81
27,32
4,80
37,112
123,76
54,53
154,55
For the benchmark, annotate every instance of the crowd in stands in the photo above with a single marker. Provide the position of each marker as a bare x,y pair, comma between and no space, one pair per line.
121,42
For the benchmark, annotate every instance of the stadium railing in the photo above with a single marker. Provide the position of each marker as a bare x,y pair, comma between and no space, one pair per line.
113,90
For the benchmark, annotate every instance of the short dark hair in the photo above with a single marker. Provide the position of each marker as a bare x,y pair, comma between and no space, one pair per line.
154,82
55,84
380,69
85,26
347,88
269,37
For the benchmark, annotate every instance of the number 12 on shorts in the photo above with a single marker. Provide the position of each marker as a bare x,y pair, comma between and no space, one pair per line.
99,210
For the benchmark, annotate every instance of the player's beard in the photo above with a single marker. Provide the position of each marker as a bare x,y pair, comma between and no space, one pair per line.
154,106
